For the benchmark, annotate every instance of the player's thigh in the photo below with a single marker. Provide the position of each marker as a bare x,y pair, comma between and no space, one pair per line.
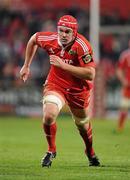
81,113
125,103
80,117
52,104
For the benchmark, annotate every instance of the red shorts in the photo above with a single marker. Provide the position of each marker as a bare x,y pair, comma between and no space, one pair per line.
75,98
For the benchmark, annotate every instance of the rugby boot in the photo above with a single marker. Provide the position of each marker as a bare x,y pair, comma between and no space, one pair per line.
93,161
47,159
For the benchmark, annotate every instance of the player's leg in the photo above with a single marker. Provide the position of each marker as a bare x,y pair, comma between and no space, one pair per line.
83,124
52,103
125,104
121,120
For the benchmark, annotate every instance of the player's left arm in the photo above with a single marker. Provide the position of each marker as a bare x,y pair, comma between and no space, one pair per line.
86,72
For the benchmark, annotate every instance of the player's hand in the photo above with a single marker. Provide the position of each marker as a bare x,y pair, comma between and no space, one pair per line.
56,61
24,73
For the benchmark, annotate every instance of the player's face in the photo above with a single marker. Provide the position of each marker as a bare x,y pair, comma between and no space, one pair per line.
65,35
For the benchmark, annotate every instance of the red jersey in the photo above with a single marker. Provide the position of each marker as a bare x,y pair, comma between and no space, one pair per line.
124,65
79,53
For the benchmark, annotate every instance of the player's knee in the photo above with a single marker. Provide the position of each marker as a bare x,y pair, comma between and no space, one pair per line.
81,121
49,118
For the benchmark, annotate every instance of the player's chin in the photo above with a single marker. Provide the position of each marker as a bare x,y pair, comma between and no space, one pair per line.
64,42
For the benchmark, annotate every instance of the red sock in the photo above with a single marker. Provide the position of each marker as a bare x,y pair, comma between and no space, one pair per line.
121,120
50,131
86,135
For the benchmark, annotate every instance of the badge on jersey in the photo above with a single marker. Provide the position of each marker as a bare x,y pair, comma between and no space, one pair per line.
87,58
72,52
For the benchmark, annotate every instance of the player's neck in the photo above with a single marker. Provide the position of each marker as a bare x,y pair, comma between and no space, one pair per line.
64,46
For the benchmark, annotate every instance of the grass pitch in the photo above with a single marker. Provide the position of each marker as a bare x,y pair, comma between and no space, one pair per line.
22,144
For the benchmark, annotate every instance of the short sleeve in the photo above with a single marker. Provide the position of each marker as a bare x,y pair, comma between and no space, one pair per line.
85,53
43,38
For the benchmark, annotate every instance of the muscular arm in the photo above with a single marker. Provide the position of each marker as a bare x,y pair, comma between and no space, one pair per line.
121,77
29,54
87,73
30,50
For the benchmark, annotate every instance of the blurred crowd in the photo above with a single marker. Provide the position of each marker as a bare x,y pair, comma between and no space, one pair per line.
16,28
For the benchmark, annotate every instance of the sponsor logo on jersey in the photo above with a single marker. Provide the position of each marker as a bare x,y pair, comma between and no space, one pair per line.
87,58
68,61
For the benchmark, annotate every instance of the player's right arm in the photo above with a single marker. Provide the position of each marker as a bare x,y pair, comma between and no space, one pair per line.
121,77
29,54
121,66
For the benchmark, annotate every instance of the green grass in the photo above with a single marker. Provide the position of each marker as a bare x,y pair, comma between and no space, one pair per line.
22,145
